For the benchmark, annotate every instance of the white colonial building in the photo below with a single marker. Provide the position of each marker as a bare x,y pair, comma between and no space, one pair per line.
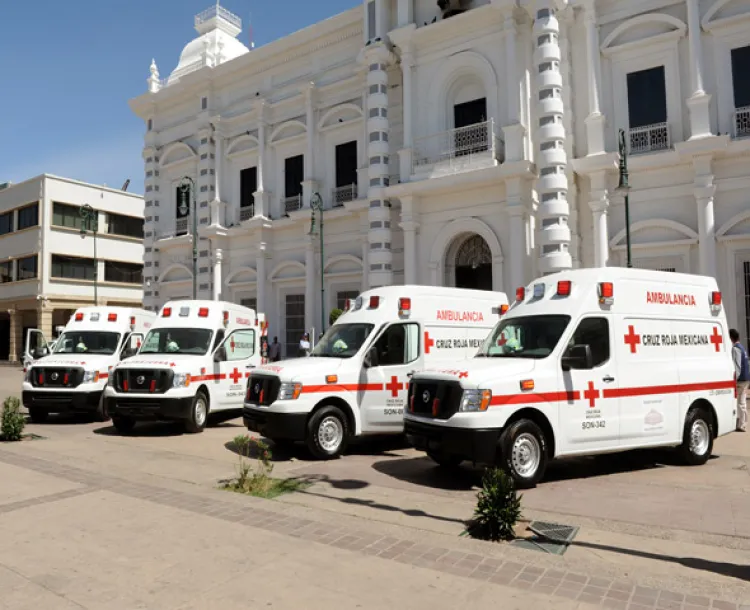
47,268
464,142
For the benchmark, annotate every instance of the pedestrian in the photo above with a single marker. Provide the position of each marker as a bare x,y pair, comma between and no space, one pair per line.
304,345
274,351
742,373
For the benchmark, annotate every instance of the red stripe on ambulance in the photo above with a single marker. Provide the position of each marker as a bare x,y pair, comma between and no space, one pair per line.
344,387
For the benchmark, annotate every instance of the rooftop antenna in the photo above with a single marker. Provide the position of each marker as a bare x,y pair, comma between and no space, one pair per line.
126,185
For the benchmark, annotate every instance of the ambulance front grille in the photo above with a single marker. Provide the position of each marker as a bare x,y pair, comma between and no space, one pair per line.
438,399
143,380
54,377
263,389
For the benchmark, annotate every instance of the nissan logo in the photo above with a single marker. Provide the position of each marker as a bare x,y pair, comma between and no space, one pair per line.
54,376
140,380
425,396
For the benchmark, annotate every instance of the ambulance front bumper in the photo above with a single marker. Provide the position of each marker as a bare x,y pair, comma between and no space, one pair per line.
478,445
146,408
275,424
62,401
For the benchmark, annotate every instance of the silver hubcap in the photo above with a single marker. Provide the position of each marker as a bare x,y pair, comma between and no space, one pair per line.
200,411
330,434
700,437
526,455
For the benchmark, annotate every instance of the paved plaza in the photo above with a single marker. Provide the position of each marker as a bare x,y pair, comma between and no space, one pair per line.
96,520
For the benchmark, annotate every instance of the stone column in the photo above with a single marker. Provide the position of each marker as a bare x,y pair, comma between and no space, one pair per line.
514,132
16,348
309,285
704,190
309,185
218,282
409,226
517,215
698,103
217,204
261,197
260,278
599,204
595,119
406,153
44,320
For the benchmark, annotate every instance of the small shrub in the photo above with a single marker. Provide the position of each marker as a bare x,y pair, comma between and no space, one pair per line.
254,479
334,315
13,421
498,507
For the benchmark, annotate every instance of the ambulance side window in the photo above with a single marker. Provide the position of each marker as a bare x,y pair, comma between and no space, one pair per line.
219,338
240,345
399,344
593,332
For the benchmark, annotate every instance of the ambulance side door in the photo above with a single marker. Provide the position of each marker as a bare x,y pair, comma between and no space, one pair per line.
236,359
394,355
590,415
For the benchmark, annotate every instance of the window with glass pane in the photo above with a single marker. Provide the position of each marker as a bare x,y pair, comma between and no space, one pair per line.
127,226
740,67
295,323
124,273
399,344
6,272
64,215
593,332
28,217
240,345
6,223
248,186
27,268
294,174
250,303
72,268
343,296
647,97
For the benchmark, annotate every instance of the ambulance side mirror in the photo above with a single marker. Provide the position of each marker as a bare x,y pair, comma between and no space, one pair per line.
371,358
577,357
220,355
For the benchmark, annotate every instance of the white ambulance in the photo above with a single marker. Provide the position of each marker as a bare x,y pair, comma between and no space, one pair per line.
584,362
355,380
193,362
73,376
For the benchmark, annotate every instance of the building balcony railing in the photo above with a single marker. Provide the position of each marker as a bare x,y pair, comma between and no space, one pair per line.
217,11
181,226
292,203
247,212
649,138
343,194
741,122
458,149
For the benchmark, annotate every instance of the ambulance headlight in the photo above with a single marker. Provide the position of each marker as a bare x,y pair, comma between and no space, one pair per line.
181,380
90,376
290,391
475,400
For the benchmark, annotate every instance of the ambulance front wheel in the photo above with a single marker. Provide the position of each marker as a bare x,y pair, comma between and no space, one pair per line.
327,433
697,437
101,413
523,453
198,416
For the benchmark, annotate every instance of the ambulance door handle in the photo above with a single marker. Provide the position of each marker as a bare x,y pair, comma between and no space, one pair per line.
608,379
250,366
410,374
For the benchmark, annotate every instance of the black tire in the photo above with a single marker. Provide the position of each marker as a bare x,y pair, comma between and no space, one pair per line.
323,425
38,415
696,451
445,460
196,423
101,413
124,425
530,437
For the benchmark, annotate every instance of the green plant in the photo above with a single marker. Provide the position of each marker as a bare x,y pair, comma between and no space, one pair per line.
334,315
498,507
253,479
13,421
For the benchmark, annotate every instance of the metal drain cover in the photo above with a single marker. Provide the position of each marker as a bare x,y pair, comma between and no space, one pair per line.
554,532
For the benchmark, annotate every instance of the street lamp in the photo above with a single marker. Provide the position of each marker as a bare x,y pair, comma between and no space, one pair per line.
187,206
624,188
90,222
316,205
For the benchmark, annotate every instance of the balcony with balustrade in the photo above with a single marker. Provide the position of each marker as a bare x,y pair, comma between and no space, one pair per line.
343,194
292,203
741,123
649,138
247,212
459,150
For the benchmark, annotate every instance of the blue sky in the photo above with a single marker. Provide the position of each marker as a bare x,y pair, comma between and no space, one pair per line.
69,69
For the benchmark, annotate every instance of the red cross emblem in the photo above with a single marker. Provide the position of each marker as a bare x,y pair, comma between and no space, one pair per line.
592,394
502,340
717,339
428,342
463,374
235,376
632,339
394,386
231,344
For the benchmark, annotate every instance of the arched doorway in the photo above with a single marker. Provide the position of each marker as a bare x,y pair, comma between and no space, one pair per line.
473,264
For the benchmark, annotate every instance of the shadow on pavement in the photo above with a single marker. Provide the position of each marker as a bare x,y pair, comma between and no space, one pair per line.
63,419
733,570
423,471
156,428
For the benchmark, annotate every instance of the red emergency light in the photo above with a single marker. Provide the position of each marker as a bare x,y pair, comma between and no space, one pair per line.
347,304
520,293
226,318
716,298
166,312
132,322
503,309
203,312
606,290
112,317
563,288
374,302
404,306
79,317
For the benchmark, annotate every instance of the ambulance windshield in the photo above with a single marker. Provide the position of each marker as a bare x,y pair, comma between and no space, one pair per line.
87,342
342,340
188,341
524,337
